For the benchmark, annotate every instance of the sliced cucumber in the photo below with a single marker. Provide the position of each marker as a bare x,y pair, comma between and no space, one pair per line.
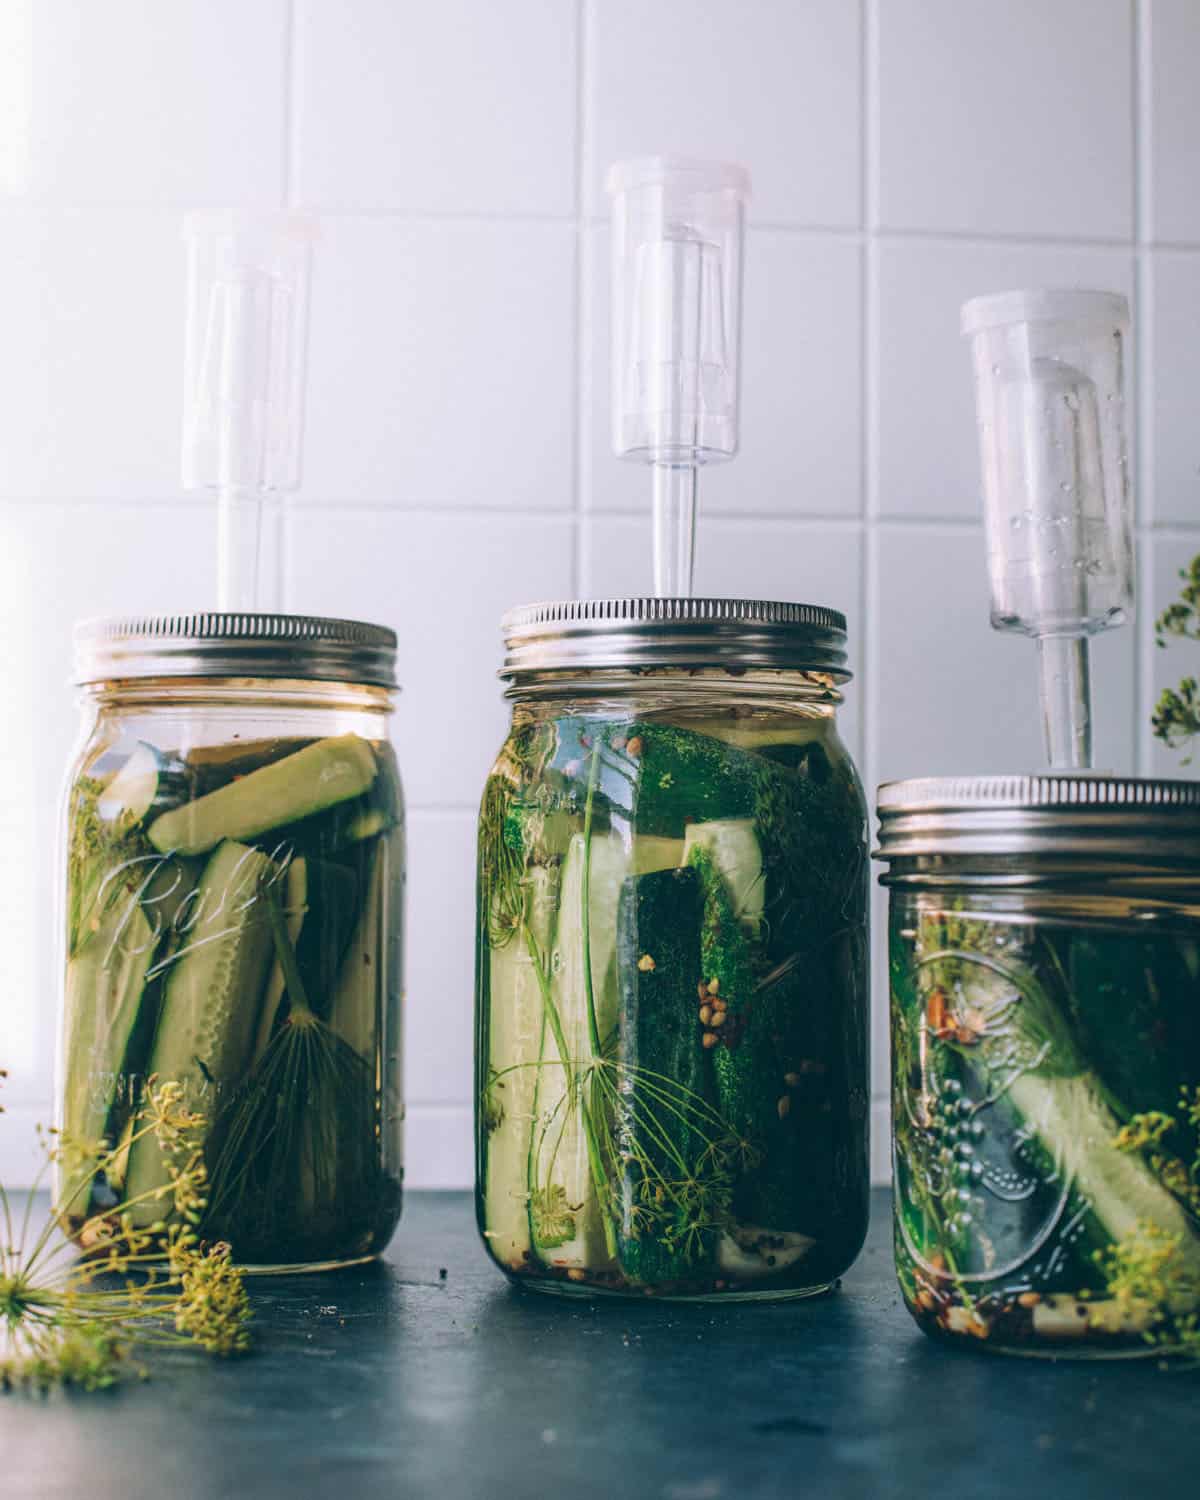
516,1032
750,736
1077,1128
562,1169
317,777
358,998
748,1251
744,1052
334,892
651,853
211,1003
1063,1316
295,895
105,980
338,828
733,846
1028,1052
133,790
165,892
368,824
682,778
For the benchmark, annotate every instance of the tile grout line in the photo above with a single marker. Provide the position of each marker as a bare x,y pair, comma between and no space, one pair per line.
289,92
1144,500
581,331
283,520
869,270
550,515
869,567
872,495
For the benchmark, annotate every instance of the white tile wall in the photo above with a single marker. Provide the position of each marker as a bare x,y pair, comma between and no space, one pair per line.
777,86
1008,119
90,319
455,107
134,101
1173,331
442,364
906,154
1171,42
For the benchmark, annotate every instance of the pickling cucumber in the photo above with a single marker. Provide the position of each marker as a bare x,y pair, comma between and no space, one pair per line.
681,777
133,790
658,944
1076,1127
333,900
516,1030
295,895
744,1054
149,781
562,1168
165,893
211,1003
1028,1044
358,1000
338,828
748,1251
319,776
650,853
732,844
749,735
105,980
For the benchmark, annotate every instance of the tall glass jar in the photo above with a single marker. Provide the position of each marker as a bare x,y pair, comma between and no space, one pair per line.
234,875
1045,984
671,1043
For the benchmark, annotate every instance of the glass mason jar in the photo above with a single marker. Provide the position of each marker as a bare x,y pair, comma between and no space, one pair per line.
1045,996
234,875
671,1042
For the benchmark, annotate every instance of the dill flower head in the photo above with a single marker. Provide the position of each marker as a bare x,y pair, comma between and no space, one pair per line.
165,1111
1143,1131
213,1306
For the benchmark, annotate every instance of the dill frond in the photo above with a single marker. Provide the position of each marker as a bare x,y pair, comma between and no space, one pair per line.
1176,718
79,1321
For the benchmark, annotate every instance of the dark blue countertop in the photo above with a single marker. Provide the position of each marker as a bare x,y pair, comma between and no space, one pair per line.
394,1380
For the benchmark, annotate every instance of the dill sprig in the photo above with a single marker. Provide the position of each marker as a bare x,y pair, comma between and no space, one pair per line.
80,1321
681,1189
1153,1283
99,849
297,1137
1176,718
1149,1274
676,1194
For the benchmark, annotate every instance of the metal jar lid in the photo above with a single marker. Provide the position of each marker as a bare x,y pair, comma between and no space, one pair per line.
1106,820
305,647
689,634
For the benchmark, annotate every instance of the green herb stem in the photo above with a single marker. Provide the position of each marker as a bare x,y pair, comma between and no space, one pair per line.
586,897
575,1089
